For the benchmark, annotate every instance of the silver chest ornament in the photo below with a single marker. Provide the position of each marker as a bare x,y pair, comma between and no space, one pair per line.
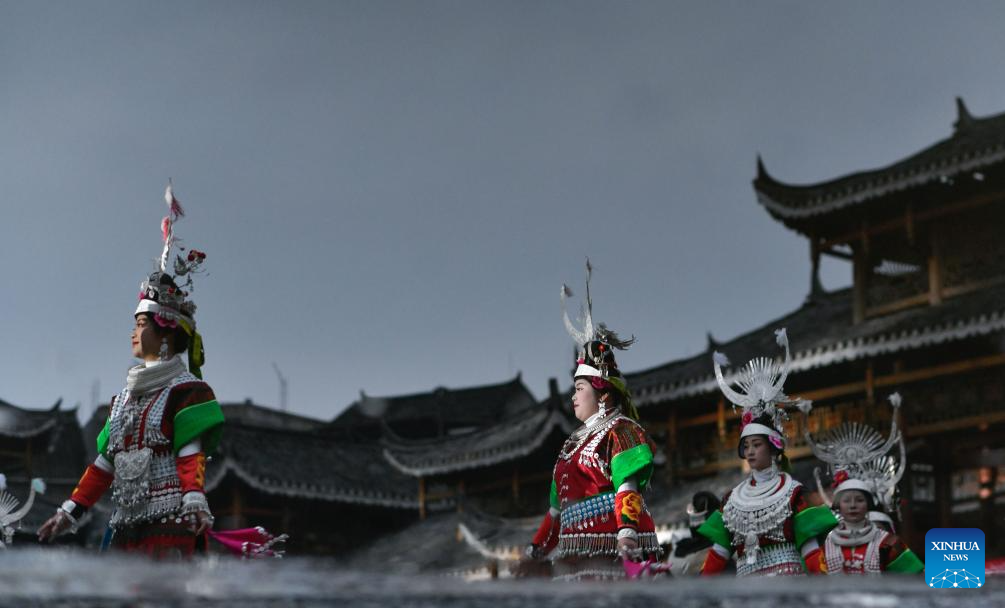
750,517
132,478
146,484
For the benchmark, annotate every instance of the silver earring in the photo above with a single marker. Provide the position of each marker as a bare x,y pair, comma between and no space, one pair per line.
163,354
602,409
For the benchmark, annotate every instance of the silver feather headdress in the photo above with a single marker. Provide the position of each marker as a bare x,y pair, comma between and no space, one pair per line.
10,514
855,451
161,293
590,333
761,384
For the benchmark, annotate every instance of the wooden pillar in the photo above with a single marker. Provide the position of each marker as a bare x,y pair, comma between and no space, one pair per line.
237,506
988,478
814,265
27,458
915,539
422,498
671,447
870,383
516,485
721,419
860,270
935,271
909,223
943,485
460,496
287,517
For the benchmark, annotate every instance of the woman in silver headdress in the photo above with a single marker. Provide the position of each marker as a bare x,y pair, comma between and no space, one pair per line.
597,512
152,449
766,520
865,478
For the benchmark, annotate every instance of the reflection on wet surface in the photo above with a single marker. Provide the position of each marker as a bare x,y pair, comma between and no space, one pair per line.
62,578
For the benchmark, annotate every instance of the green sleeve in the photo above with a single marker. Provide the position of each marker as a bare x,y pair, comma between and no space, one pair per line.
906,563
553,496
812,522
715,530
200,420
636,461
103,438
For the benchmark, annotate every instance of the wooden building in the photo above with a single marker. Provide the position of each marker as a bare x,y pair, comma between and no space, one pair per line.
45,444
925,316
492,447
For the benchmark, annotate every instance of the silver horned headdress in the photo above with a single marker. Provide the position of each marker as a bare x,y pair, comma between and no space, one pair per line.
761,384
858,458
10,514
595,341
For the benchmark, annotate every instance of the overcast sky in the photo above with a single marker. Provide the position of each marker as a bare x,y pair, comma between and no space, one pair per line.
391,193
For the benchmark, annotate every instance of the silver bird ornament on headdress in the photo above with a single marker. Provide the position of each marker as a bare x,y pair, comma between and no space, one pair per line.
589,331
10,514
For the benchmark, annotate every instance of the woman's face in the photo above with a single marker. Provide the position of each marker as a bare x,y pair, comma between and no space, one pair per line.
146,342
853,506
757,451
585,400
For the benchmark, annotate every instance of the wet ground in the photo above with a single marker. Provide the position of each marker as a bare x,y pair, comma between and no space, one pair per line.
58,578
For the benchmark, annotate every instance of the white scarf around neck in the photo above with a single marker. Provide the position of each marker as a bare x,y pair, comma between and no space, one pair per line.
142,378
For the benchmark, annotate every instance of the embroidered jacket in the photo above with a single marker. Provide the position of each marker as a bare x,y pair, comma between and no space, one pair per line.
587,508
781,527
141,439
884,552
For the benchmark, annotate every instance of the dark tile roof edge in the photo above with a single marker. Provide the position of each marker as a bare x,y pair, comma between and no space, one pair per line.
303,491
967,149
482,459
850,350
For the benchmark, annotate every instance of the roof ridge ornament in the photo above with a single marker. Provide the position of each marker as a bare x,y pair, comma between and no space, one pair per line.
762,171
711,344
964,118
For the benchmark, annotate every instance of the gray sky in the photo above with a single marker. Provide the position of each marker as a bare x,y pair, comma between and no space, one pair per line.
391,193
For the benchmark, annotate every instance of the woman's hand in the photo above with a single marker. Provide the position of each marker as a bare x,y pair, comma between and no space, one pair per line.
54,526
628,548
201,522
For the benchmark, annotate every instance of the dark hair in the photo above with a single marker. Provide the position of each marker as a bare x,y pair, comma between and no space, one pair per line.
177,336
705,501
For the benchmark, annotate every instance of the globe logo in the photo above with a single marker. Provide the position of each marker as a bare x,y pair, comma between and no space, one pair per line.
955,578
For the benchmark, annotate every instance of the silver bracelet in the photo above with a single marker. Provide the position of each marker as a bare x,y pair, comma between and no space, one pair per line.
195,502
66,510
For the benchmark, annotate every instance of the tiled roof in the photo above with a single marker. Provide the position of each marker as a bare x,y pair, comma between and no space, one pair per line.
19,422
310,465
975,143
472,407
507,440
821,333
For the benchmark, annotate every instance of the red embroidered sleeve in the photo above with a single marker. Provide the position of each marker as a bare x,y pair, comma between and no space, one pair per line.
815,562
93,483
891,548
628,509
547,534
714,563
192,472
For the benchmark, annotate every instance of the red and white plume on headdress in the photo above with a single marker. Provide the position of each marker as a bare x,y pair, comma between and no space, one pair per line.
175,211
